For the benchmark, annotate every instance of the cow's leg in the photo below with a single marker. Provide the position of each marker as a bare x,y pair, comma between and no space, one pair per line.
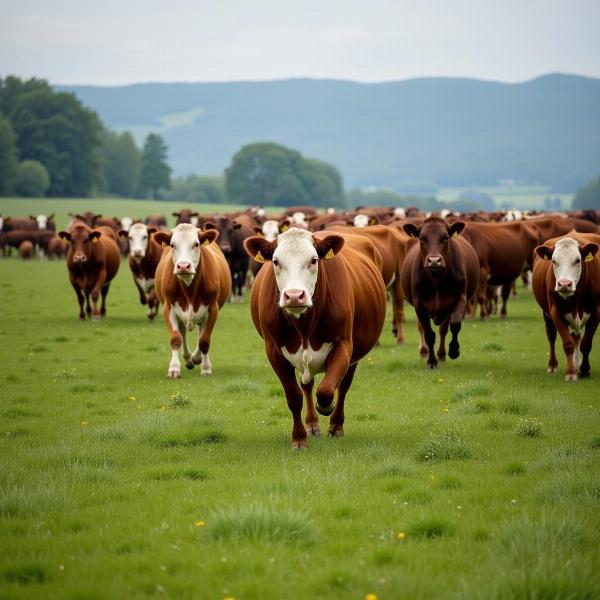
293,395
88,305
441,353
336,421
586,345
567,342
482,293
336,368
175,341
551,335
103,305
455,326
96,294
506,288
185,349
204,333
152,304
398,309
312,419
429,334
80,299
140,290
422,345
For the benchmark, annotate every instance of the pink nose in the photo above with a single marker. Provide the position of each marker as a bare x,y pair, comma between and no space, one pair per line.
137,252
294,297
79,257
434,261
184,266
564,285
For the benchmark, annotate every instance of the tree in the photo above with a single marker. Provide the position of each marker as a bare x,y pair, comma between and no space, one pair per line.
32,179
56,130
121,164
8,158
270,174
210,190
588,196
156,173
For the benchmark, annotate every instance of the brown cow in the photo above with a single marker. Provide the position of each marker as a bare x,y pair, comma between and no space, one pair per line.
93,260
566,285
193,283
144,256
158,221
26,250
319,305
440,275
57,247
185,215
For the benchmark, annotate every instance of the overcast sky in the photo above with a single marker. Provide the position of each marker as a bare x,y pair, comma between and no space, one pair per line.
127,41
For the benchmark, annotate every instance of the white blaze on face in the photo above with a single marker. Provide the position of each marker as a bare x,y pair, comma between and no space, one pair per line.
126,223
260,212
331,210
399,213
1,222
42,221
296,266
360,220
566,263
270,229
299,218
138,240
194,220
185,251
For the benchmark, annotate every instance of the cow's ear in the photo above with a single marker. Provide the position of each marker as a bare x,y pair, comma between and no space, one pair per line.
237,225
411,229
94,236
175,214
208,225
284,225
456,228
195,214
259,248
208,237
151,229
51,216
162,237
97,217
32,217
329,246
258,230
589,251
122,233
544,252
64,235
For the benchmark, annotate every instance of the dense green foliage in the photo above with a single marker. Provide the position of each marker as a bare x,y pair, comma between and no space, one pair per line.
121,164
55,129
481,480
156,173
588,196
412,136
31,179
270,174
195,188
8,157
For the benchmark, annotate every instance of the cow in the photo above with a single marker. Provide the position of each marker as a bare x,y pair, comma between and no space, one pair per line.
87,217
193,283
566,285
43,221
26,250
439,276
158,221
319,304
185,215
57,247
144,256
93,261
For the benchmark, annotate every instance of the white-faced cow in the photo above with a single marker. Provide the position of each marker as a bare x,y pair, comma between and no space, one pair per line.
193,283
566,285
319,304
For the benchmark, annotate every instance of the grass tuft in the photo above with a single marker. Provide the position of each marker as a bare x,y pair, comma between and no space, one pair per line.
515,469
169,474
399,469
258,523
492,347
528,428
179,400
514,406
430,528
471,389
446,445
27,573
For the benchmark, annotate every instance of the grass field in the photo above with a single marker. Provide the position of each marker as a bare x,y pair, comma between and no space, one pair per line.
479,480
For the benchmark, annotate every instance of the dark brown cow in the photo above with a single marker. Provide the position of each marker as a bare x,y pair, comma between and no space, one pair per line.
185,215
144,256
193,283
158,221
93,260
319,304
87,217
26,250
391,243
566,285
440,275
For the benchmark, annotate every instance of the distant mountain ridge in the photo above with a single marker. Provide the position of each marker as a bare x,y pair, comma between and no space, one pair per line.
410,135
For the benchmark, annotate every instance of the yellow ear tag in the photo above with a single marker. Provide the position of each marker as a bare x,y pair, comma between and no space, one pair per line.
455,234
95,240
206,243
284,228
258,257
372,222
588,258
329,255
164,244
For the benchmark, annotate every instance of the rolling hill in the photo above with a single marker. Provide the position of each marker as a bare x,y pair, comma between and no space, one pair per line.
410,136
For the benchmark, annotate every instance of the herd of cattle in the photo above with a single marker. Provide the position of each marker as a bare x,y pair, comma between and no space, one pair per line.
319,282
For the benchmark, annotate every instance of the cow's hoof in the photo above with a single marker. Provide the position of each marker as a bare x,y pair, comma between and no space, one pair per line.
552,369
151,316
95,317
571,377
336,433
82,317
313,430
189,365
454,351
432,365
299,445
206,372
325,410
442,357
584,374
174,373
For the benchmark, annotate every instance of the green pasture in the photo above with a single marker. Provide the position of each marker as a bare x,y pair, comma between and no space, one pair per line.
479,480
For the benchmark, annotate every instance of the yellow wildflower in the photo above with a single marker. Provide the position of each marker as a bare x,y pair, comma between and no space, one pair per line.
371,597
84,423
199,523
401,535
131,398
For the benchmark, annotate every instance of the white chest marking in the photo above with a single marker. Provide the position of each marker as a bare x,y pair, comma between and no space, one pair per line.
188,316
307,361
577,323
145,284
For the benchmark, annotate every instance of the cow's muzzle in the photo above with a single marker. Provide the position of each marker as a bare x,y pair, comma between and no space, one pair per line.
565,287
79,258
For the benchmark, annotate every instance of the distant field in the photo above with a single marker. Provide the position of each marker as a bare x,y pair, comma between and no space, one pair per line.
480,480
522,197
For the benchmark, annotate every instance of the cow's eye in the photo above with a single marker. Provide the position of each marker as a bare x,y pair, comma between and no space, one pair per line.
275,262
172,245
577,261
314,260
130,238
145,237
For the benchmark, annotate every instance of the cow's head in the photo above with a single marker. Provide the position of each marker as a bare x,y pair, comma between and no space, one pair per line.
81,238
225,226
567,257
125,222
186,241
270,230
139,237
185,215
295,257
42,220
434,237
